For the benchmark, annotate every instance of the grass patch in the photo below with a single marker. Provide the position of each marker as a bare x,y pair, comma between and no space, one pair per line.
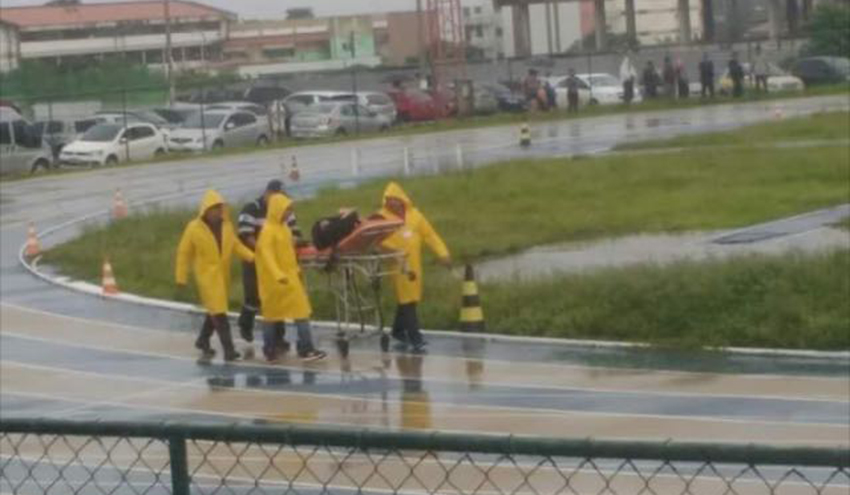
821,126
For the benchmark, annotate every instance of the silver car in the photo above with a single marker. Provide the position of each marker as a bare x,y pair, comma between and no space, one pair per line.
21,147
379,103
336,119
216,129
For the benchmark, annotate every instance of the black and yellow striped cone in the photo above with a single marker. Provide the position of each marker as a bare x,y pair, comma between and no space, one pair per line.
471,314
524,135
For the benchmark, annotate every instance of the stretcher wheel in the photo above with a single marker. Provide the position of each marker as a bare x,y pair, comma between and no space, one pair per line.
343,347
385,342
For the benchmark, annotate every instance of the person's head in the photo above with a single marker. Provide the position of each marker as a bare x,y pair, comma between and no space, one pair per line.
214,214
274,186
395,205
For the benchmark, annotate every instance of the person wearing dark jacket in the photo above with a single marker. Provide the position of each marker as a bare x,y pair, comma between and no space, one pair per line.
250,221
736,73
669,76
706,76
650,80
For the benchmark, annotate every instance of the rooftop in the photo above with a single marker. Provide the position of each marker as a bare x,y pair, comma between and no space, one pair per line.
144,10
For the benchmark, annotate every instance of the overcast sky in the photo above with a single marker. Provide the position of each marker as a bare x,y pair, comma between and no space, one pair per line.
277,8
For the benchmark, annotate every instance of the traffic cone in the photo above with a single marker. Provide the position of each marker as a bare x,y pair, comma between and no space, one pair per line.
33,248
778,112
524,135
119,206
294,173
110,288
471,314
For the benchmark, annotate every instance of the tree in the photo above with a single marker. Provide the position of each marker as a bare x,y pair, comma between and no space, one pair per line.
829,31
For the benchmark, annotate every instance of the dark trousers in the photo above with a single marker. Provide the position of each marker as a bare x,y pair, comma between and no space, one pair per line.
708,88
737,88
406,324
572,101
761,83
251,302
628,90
220,325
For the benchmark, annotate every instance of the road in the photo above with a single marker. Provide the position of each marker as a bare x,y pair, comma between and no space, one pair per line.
65,354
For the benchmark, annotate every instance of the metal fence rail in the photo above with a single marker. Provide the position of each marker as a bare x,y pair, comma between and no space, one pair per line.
64,457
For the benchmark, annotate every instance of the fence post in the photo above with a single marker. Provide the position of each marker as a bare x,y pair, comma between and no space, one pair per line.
179,465
406,161
459,156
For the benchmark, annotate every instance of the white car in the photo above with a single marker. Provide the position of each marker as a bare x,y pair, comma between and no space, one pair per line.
593,89
380,103
109,144
219,128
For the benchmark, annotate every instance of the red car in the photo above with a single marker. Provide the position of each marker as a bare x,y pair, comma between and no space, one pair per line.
417,106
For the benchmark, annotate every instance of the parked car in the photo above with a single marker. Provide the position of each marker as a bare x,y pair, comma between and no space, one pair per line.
265,95
109,144
208,96
822,70
336,119
59,132
234,106
777,80
21,147
299,101
508,101
484,99
379,103
216,129
593,89
416,106
175,116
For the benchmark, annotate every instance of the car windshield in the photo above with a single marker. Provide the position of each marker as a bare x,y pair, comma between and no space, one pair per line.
603,80
102,133
210,121
153,118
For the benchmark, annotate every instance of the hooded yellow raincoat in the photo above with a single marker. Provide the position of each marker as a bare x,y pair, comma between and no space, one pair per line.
282,293
211,264
409,239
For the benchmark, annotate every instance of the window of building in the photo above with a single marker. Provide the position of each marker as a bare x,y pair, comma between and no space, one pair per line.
466,11
278,52
477,10
499,32
479,31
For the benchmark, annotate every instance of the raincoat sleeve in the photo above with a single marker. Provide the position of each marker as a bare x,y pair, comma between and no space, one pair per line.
243,251
271,264
185,252
433,240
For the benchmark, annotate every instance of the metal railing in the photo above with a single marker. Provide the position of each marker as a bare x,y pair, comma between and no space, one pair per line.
42,456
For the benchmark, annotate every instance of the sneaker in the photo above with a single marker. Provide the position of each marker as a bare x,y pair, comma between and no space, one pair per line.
314,355
419,349
207,354
232,356
284,346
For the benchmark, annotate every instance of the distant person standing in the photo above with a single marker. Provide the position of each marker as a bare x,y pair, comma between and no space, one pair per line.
572,92
736,74
668,74
706,76
551,96
650,80
682,81
531,89
761,70
628,75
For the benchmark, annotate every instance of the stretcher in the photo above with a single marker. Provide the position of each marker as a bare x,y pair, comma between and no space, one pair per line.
353,271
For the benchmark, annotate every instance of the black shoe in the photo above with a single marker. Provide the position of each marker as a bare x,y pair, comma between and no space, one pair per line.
313,355
283,346
207,354
419,349
231,356
247,334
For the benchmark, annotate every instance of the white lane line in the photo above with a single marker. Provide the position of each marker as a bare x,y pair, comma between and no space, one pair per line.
503,410
555,366
375,373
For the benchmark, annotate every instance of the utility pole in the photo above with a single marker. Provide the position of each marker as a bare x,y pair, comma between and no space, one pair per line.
420,33
169,70
354,82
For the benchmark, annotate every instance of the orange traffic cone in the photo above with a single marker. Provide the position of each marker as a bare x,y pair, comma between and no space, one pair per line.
33,248
119,206
294,173
110,288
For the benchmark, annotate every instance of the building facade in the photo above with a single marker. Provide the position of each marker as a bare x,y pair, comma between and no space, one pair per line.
86,33
9,47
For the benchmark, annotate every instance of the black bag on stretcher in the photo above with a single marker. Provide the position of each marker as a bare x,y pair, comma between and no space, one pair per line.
329,231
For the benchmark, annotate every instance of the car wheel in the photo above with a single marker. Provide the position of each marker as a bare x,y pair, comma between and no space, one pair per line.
40,164
384,128
159,153
262,141
217,145
340,131
111,161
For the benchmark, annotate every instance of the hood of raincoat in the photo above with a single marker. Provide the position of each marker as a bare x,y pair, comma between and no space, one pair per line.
211,198
394,190
278,204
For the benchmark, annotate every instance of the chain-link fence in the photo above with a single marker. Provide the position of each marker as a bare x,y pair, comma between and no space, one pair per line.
61,457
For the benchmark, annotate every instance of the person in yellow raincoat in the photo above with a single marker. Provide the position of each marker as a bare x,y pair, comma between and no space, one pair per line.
282,293
408,282
207,245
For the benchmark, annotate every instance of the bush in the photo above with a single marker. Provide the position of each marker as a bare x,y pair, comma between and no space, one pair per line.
829,31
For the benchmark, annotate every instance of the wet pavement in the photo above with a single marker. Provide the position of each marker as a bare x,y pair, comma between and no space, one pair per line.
809,233
70,354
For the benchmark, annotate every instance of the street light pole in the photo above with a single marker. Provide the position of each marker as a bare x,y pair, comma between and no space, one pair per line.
168,62
354,83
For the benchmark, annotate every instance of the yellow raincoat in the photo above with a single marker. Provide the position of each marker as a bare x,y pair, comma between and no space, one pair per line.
282,294
211,265
409,239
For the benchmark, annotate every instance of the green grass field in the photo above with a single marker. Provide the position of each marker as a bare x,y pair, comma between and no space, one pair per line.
793,301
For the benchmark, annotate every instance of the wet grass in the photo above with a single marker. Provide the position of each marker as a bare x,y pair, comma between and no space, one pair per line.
829,126
475,122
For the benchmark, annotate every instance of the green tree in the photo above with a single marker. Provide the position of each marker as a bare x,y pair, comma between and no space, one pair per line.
829,31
